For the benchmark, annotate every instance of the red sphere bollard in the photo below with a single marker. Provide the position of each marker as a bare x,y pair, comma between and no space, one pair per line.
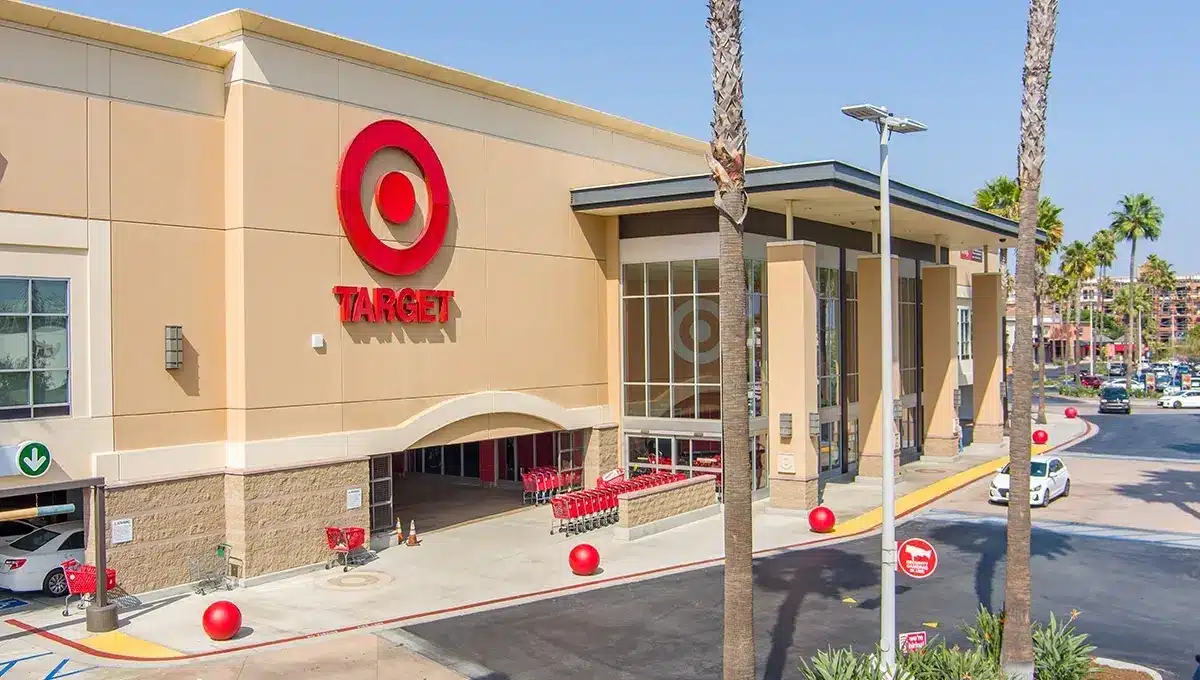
1071,412
1040,437
821,519
222,620
584,560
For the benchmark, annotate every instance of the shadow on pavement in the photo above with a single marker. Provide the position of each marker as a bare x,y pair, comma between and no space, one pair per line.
1187,447
990,543
820,572
1179,488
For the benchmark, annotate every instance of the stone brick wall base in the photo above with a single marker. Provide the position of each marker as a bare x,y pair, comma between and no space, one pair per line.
661,502
602,453
794,493
940,447
988,434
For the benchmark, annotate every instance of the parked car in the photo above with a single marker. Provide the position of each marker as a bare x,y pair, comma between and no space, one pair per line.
1116,370
12,529
1114,399
1048,479
1134,385
34,561
1090,380
1184,399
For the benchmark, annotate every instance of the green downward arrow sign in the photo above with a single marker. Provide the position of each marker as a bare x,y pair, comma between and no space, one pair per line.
33,459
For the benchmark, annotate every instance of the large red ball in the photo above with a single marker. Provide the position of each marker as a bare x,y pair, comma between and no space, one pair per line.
584,560
821,519
222,620
1071,412
1040,437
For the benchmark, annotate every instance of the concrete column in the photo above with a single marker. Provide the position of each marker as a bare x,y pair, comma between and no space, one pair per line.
987,313
873,406
792,337
611,304
601,453
939,328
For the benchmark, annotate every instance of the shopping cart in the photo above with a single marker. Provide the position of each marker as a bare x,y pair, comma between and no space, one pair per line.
211,571
81,583
346,546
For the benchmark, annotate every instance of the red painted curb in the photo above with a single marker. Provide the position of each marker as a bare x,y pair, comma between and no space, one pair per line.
79,647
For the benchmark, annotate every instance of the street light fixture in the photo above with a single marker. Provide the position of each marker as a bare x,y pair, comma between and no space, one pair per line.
886,123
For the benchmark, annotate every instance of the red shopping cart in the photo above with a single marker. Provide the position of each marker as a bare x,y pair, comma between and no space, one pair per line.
346,545
81,583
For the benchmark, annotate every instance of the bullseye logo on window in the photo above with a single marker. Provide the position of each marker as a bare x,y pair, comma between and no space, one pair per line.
695,326
396,200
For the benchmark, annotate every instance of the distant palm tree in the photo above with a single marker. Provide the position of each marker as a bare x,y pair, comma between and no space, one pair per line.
1016,652
1142,303
1160,276
1051,226
1077,264
1104,245
727,161
1058,291
1137,218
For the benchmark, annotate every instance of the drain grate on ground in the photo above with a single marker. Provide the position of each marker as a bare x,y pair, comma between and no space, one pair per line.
353,580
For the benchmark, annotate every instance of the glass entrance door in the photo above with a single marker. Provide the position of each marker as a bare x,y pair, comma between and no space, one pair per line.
829,395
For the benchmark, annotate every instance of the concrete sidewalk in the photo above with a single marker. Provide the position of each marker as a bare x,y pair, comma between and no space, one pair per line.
493,563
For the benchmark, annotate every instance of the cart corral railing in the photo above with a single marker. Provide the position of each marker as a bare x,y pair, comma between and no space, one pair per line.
649,511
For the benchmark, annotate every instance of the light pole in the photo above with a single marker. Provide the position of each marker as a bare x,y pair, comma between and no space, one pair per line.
886,124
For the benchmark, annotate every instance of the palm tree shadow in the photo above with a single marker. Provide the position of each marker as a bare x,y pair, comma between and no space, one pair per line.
823,572
990,543
1180,488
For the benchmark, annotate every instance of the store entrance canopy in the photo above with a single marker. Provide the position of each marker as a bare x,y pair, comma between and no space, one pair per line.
831,192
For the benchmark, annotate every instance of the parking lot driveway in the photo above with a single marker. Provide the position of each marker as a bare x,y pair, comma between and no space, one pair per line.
1138,494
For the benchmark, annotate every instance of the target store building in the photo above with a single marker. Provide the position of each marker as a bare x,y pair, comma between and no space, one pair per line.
260,280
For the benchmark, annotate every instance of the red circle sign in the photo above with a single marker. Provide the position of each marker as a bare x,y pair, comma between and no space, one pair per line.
394,196
916,557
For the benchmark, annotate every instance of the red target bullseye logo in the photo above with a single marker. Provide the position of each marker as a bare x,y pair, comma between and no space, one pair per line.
395,198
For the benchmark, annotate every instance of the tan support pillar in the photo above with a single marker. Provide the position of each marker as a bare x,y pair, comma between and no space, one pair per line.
601,453
939,333
873,406
792,332
611,304
987,313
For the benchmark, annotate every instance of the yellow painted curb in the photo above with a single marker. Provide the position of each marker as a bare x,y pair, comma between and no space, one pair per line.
923,496
116,642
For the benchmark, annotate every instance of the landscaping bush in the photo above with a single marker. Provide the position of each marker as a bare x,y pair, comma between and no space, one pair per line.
842,664
1059,652
939,662
988,632
1071,390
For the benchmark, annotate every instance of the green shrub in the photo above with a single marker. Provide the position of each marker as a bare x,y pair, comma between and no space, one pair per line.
1059,652
939,662
988,632
842,664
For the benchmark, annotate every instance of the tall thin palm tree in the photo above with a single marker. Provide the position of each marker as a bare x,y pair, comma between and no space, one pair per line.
1050,224
1016,652
1077,264
1160,276
1137,218
1104,245
727,161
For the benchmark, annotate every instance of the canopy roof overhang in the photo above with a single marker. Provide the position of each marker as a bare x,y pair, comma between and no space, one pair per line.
822,191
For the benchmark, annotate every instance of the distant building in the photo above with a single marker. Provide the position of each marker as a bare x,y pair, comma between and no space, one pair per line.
1175,313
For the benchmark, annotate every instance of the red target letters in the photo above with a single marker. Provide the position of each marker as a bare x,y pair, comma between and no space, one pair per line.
386,305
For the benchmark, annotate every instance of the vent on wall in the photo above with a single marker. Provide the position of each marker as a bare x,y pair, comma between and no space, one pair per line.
173,347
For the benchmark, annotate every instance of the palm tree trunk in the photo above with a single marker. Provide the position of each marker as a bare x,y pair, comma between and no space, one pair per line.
1129,326
1016,652
1005,359
727,162
1075,343
1041,415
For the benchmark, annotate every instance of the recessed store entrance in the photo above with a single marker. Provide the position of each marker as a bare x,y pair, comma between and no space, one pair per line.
445,485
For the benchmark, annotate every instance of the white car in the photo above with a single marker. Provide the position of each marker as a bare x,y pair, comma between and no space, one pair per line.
12,529
1048,479
34,561
1134,385
1184,399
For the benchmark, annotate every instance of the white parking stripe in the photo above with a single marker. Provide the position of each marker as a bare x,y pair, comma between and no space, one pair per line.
1187,541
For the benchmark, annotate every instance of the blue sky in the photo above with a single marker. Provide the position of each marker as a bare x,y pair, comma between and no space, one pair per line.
1123,99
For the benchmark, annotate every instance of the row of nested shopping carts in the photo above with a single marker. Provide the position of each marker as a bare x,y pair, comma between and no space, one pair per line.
540,484
579,511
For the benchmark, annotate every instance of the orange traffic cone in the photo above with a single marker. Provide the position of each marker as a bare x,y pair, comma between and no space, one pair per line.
412,533
399,532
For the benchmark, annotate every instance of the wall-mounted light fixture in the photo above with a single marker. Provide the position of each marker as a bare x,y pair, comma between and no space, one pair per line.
785,425
814,424
173,339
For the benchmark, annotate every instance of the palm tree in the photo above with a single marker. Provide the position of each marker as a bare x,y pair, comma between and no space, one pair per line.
1136,218
1051,226
1058,291
1016,652
1104,245
726,160
1160,276
1077,264
1142,303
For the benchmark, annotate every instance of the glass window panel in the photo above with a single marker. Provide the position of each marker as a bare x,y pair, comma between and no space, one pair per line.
452,459
681,277
635,279
709,401
635,400
49,297
756,272
659,339
708,336
14,296
14,342
433,460
14,389
635,340
758,337
683,343
707,277
657,277
49,342
758,444
660,401
684,401
50,387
